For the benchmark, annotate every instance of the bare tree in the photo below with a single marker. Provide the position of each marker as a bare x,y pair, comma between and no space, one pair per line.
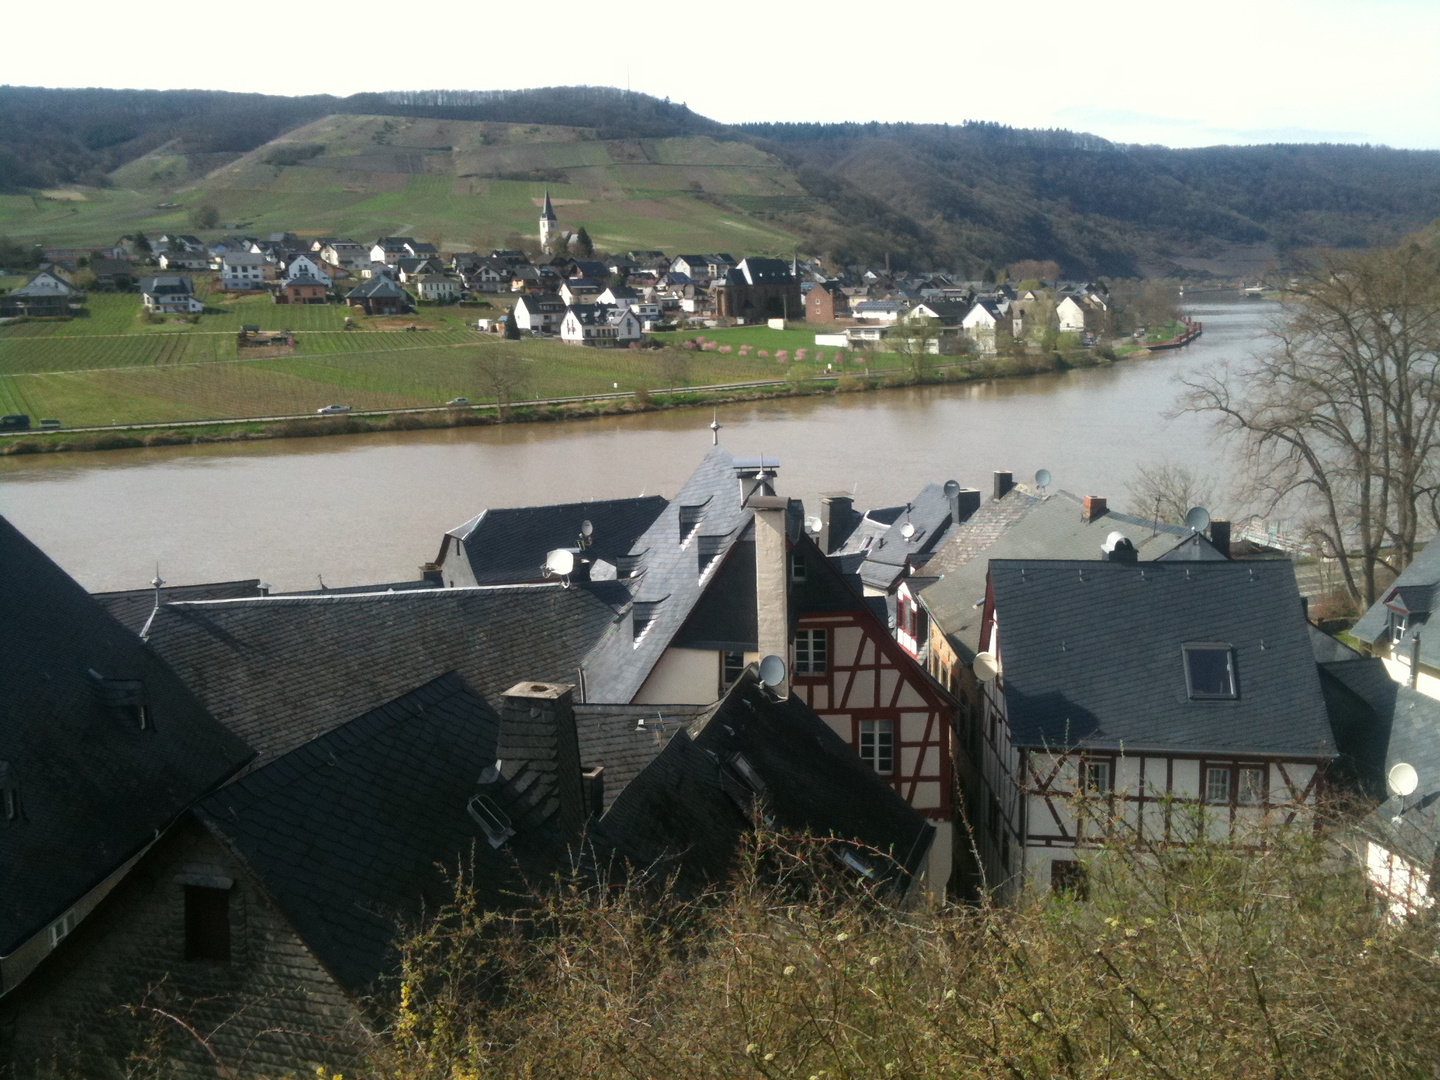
505,376
1166,491
1341,416
916,339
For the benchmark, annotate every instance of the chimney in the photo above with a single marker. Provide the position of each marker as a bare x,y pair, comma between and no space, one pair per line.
1220,535
1004,481
1305,607
539,752
1093,509
1120,551
756,476
593,781
1414,679
833,509
772,584
431,572
964,503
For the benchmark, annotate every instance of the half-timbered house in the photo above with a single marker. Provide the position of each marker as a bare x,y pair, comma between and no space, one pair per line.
1180,698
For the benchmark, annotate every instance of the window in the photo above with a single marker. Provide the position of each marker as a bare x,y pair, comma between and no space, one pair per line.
877,745
1068,876
732,666
810,652
61,927
207,923
690,519
1209,671
797,566
1096,777
1217,786
1251,790
1397,627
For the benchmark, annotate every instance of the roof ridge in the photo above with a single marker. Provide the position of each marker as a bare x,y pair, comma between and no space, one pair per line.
392,593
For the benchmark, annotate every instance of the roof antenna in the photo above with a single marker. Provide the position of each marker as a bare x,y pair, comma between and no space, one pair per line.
321,578
715,429
157,584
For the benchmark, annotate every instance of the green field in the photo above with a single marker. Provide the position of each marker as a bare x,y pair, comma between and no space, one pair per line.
114,367
462,185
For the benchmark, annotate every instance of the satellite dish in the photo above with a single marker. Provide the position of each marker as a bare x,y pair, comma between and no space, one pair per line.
559,562
1198,518
1042,478
586,528
813,524
952,488
1403,779
772,671
907,530
986,666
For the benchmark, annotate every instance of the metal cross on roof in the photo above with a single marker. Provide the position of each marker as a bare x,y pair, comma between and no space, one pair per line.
715,429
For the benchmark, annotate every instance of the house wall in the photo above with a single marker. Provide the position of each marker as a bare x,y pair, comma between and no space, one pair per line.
1398,668
92,1008
682,677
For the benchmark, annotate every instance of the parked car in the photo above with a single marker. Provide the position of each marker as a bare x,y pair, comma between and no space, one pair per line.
330,410
51,422
15,422
458,401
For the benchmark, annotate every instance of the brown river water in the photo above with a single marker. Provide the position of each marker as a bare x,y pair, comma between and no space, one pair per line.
372,508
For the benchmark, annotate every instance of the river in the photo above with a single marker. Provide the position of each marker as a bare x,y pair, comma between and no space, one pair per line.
357,509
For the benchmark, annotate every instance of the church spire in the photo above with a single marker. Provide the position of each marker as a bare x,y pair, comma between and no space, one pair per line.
548,214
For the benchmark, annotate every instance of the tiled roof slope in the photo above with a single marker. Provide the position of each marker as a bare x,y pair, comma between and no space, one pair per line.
670,577
133,607
1091,656
888,554
350,835
1421,577
509,544
280,671
691,805
1022,526
94,788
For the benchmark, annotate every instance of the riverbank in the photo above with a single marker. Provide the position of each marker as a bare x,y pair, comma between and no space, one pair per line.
190,433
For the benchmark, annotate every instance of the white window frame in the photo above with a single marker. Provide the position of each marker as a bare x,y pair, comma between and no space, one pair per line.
1212,797
1249,794
1097,776
812,651
876,744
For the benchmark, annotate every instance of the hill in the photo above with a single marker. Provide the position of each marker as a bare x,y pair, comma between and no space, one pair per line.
82,166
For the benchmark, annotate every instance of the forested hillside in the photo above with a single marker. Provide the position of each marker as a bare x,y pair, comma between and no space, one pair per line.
970,196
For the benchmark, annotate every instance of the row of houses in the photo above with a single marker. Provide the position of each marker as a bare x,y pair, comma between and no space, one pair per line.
273,784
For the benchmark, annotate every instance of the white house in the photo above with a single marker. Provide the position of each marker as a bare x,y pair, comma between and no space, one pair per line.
306,266
1176,698
982,320
240,270
437,287
345,254
539,314
597,324
169,294
184,260
1070,316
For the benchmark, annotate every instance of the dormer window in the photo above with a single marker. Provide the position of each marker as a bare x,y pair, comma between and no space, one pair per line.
690,519
797,566
1399,622
1209,671
643,613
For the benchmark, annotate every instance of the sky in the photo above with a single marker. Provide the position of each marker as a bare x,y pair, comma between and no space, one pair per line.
1199,74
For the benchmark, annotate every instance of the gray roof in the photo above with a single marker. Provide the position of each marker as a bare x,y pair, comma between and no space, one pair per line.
133,607
377,288
46,283
1414,592
94,787
692,804
509,544
763,272
279,671
167,285
670,581
1022,525
890,551
1091,656
624,739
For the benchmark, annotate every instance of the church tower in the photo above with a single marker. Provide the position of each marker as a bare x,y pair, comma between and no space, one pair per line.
547,223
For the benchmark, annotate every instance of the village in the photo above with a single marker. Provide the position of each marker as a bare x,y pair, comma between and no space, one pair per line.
228,800
563,289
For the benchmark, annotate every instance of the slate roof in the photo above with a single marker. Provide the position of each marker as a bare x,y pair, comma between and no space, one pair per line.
690,806
279,671
132,607
1022,525
509,544
1386,723
350,835
167,285
1091,655
377,288
670,580
755,271
94,788
890,551
45,283
1414,591
624,739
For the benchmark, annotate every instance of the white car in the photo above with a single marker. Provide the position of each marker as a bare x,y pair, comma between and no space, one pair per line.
458,401
330,410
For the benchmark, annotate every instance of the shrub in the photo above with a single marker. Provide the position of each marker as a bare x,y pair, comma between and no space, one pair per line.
763,354
725,349
688,346
781,355
847,384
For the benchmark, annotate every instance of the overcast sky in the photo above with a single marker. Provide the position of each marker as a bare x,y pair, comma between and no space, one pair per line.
1222,71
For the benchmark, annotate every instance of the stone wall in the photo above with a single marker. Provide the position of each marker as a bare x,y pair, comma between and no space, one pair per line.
119,992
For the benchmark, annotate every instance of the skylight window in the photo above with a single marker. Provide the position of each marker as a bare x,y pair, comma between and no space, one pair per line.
1209,672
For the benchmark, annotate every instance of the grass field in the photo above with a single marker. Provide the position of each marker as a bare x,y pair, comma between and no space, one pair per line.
112,366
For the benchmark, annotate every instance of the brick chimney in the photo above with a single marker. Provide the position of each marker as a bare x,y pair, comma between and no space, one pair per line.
1093,509
539,752
1004,481
1220,535
833,508
772,581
